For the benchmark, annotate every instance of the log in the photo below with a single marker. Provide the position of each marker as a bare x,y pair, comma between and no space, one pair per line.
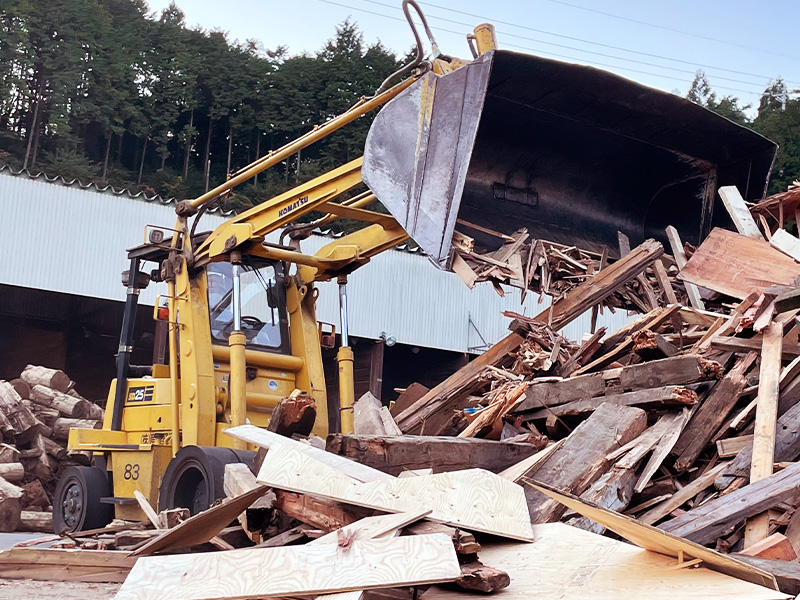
8,453
62,426
463,541
52,378
595,289
68,406
714,518
34,495
582,459
294,414
12,471
19,421
95,412
22,388
367,416
10,506
711,414
36,521
677,370
54,449
395,454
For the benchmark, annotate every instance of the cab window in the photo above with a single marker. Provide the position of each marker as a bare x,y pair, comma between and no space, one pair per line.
263,306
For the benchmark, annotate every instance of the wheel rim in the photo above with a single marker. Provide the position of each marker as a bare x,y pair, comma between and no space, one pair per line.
73,504
191,489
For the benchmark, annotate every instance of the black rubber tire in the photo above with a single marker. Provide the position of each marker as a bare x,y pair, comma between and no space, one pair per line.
76,502
194,478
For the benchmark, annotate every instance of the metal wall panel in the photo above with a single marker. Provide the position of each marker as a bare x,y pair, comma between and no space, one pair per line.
68,239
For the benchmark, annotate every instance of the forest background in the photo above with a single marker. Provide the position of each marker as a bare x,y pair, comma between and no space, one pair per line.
103,91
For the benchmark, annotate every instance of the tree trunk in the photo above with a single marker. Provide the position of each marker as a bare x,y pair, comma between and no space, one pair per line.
206,157
31,133
188,149
105,160
119,149
258,155
230,148
141,162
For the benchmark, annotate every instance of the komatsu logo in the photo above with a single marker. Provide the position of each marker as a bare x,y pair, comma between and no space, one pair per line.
293,206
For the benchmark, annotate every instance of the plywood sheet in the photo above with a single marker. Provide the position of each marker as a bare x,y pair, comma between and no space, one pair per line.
203,526
656,540
293,570
267,439
474,499
566,563
737,265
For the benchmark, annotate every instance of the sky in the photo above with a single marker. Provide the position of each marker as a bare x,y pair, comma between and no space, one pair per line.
740,44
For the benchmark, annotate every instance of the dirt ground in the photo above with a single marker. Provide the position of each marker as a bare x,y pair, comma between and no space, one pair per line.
28,589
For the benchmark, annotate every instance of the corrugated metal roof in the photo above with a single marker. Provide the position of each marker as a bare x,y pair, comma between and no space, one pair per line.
71,238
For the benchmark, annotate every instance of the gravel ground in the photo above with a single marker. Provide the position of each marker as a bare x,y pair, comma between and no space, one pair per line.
28,589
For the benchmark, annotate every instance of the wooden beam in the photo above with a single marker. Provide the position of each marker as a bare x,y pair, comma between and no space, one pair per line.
737,344
51,564
441,398
739,212
711,414
605,282
680,259
584,456
395,454
711,519
757,528
683,495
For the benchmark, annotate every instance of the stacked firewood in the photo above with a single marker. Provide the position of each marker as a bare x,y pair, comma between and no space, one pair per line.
37,410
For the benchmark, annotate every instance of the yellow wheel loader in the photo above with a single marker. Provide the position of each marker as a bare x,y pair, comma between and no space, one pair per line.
501,141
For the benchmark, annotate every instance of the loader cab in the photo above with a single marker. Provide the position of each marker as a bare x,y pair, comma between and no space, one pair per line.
264,318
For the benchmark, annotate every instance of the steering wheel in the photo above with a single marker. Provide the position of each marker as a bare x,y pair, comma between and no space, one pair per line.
253,322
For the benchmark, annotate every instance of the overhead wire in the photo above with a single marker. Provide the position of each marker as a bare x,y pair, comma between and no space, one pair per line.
665,28
538,50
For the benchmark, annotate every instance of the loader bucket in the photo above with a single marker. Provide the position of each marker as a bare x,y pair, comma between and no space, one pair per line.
572,153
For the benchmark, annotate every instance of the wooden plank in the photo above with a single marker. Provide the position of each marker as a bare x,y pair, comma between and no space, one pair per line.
664,397
711,414
203,526
664,282
676,370
49,564
706,522
730,447
673,426
605,282
736,265
304,570
775,546
737,344
583,457
267,439
676,245
662,542
763,455
441,398
395,454
527,465
682,496
569,564
739,212
787,574
474,499
787,448
412,393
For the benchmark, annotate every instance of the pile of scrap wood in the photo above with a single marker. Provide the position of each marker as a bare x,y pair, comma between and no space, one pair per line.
36,413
